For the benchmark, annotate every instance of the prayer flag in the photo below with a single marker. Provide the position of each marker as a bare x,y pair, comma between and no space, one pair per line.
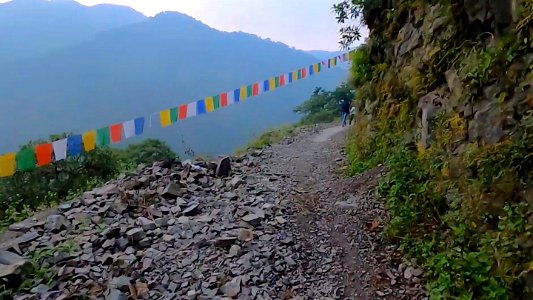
182,112
216,101
231,97
242,95
89,140
236,95
266,85
191,110
129,130
299,73
319,67
276,81
224,99
315,68
74,145
7,164
60,149
102,137
139,126
249,91
164,117
200,107
311,70
44,153
271,84
255,91
26,159
304,72
116,132
282,80
290,77
209,105
174,115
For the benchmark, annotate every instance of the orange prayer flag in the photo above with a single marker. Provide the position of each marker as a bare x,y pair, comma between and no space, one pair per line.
44,154
116,132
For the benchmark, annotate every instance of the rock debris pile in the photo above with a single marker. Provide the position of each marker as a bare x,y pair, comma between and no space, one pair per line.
175,230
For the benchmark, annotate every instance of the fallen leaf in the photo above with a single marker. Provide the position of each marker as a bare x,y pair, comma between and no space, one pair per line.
142,288
372,226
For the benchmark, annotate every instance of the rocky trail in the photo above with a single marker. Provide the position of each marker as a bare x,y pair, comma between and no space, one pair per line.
282,223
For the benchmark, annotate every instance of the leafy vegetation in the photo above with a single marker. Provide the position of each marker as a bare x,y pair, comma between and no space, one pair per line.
268,138
460,200
26,192
39,271
324,106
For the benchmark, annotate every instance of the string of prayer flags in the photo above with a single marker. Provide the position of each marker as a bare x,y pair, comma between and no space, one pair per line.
44,153
26,159
102,137
60,149
115,132
7,164
89,140
74,145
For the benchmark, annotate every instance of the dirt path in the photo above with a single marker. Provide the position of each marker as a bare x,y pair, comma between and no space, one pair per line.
339,219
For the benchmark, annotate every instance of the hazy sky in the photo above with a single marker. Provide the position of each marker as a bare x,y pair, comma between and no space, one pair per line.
304,24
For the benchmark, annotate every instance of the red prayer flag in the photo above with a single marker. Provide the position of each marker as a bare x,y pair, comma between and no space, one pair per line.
224,99
43,153
282,80
255,89
116,132
183,112
304,72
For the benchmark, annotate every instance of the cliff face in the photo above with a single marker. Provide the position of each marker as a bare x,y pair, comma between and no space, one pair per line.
445,97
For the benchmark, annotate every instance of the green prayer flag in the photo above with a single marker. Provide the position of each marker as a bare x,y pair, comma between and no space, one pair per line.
319,67
216,101
276,81
249,90
103,138
174,115
299,74
26,159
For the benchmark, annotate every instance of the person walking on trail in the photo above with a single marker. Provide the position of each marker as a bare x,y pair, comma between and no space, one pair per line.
345,109
352,115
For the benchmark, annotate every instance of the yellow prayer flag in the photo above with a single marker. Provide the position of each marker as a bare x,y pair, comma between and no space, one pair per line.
271,83
243,93
7,164
165,118
315,68
295,75
209,104
89,140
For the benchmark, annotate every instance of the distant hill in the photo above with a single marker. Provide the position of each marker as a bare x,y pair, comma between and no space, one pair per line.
30,28
321,54
137,69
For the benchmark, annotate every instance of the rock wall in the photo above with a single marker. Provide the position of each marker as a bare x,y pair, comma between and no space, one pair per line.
449,85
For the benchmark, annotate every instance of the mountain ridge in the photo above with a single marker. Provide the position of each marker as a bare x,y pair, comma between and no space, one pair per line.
140,68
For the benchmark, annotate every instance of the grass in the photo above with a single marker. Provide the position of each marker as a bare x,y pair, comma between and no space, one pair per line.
268,138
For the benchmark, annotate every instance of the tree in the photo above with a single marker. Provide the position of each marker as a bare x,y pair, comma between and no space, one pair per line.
324,106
